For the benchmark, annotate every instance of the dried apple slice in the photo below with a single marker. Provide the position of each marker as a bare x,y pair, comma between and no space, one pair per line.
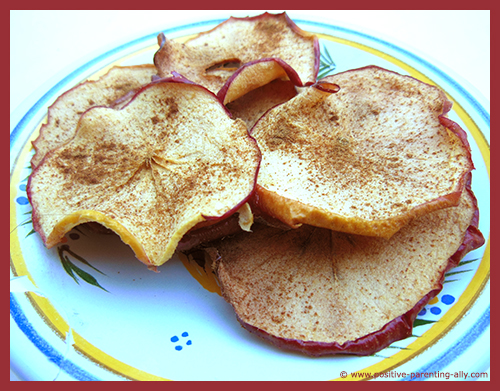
256,74
322,292
170,159
212,57
365,160
251,106
112,89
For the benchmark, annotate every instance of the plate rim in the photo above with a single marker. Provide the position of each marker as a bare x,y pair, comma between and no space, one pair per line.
42,100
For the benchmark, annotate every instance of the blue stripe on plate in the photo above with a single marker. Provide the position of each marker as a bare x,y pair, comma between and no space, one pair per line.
46,348
457,349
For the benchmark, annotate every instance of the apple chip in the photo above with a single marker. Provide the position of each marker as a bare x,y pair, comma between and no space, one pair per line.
322,292
256,74
210,58
171,158
112,89
251,106
365,160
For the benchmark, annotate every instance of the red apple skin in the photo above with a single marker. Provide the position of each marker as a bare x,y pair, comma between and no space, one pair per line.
397,329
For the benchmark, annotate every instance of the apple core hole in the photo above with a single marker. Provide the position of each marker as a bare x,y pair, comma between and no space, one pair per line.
226,65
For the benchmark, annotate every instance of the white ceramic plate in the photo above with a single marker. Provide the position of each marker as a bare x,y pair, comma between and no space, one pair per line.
119,321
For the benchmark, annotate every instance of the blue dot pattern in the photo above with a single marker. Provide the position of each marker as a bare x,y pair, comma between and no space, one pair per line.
447,299
435,310
22,201
175,339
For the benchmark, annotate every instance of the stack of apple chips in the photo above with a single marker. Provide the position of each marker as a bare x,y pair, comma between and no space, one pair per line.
328,209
